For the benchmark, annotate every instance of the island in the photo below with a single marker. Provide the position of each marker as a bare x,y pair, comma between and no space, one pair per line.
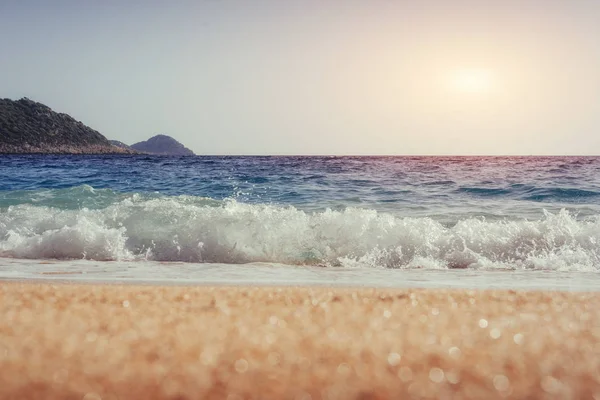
162,145
29,127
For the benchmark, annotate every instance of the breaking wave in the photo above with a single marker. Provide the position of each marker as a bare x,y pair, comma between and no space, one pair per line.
104,225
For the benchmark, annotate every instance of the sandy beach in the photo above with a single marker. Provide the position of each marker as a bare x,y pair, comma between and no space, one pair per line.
88,341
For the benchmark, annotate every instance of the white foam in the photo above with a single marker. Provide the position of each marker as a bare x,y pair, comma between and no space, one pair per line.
184,229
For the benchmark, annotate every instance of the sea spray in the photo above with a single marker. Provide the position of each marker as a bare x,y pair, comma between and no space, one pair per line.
116,226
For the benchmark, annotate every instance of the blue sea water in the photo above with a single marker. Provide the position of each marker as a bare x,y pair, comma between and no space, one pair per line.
366,213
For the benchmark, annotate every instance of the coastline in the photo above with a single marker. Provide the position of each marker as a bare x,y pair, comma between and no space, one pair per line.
92,341
64,150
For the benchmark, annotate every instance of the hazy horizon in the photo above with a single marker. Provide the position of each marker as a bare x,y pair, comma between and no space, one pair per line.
309,77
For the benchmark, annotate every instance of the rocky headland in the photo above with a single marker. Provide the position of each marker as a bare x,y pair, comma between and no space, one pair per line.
27,126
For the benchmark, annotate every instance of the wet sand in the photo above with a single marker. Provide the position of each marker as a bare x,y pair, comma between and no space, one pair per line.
63,341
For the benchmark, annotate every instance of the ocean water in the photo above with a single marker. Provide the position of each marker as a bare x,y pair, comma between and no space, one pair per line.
479,221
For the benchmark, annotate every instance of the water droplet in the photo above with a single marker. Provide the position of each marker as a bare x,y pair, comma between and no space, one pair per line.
270,339
126,303
436,375
518,338
431,339
483,323
387,314
452,377
394,359
435,311
501,383
495,333
454,352
550,384
241,366
343,369
207,358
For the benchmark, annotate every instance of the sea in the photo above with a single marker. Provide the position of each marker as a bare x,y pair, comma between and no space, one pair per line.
470,222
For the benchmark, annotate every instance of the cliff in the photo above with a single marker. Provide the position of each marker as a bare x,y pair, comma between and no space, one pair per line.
164,145
30,127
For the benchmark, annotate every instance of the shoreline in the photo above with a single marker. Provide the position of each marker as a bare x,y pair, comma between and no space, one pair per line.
67,150
112,341
161,273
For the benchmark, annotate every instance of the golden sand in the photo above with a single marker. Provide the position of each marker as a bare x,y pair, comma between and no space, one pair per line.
62,341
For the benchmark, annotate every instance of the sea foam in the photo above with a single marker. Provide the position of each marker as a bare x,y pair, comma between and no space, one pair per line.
193,229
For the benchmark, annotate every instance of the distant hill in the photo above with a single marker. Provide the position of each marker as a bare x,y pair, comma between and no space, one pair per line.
162,144
30,127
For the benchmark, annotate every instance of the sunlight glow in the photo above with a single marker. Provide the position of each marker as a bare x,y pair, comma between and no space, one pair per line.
472,81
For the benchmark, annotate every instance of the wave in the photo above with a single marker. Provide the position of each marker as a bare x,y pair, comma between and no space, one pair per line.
111,226
532,193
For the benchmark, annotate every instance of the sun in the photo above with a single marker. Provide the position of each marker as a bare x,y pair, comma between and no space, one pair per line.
472,81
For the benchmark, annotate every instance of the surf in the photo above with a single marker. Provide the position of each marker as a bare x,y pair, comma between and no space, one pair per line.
112,226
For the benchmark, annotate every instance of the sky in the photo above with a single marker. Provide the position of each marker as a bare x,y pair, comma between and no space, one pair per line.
430,77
